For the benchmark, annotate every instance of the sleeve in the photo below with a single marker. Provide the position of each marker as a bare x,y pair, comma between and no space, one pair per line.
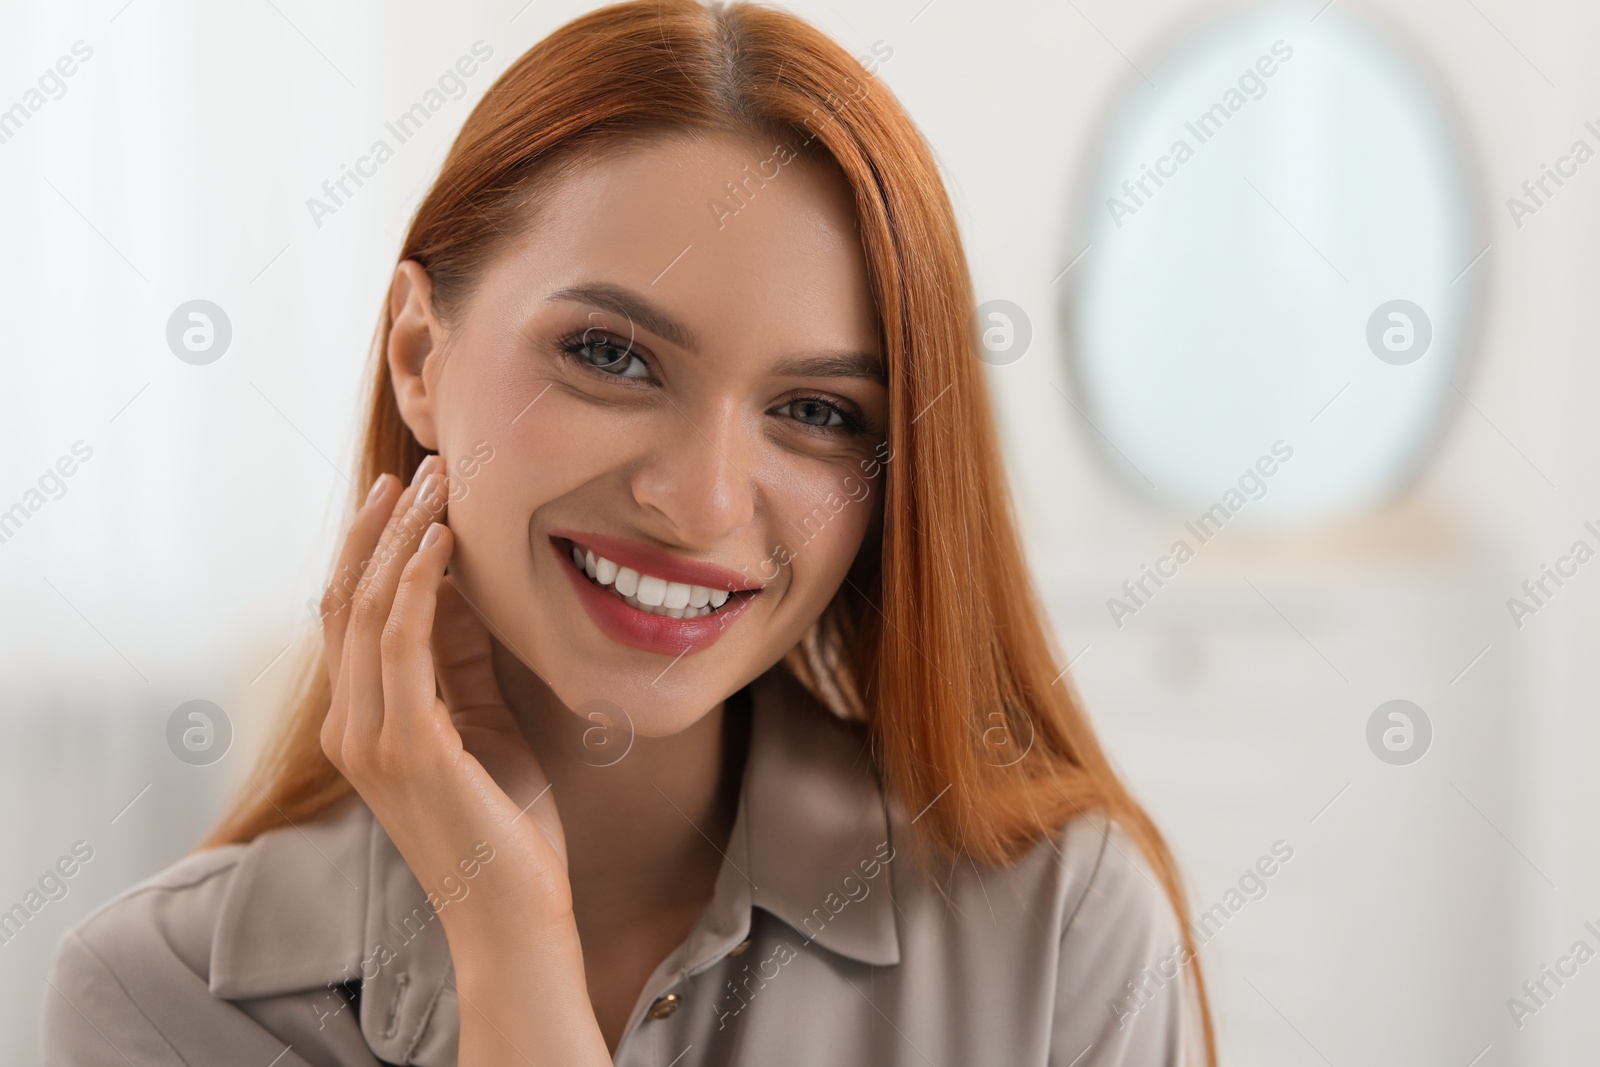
89,1020
1122,985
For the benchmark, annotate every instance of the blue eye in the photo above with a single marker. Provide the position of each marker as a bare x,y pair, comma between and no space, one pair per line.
605,355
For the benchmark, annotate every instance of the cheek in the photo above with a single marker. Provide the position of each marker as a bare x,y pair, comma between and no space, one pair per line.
820,528
556,446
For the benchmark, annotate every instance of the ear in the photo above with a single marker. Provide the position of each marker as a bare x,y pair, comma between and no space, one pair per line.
415,335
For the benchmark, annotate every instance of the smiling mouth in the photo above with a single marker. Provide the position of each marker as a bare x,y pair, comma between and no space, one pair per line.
649,593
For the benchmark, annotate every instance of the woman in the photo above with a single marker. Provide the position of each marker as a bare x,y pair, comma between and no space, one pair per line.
682,697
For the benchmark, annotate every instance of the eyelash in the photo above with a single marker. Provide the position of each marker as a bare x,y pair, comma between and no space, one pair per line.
573,344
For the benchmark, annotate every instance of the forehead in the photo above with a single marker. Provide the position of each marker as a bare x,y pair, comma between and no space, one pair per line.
720,231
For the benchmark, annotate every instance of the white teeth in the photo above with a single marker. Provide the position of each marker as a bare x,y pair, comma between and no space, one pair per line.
627,581
652,590
677,600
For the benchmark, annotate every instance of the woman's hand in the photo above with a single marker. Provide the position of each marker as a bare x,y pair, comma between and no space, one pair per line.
419,726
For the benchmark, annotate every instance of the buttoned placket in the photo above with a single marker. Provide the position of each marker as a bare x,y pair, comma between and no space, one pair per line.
722,930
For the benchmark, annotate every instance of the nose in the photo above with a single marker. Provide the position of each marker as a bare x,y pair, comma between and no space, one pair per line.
697,479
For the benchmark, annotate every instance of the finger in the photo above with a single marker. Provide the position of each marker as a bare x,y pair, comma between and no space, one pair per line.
369,614
377,517
388,540
409,696
369,524
464,665
357,548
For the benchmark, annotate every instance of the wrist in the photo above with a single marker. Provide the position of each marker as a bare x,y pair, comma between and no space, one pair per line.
525,989
508,907
498,947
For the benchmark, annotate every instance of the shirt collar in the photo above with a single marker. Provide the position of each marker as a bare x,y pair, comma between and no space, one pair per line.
312,906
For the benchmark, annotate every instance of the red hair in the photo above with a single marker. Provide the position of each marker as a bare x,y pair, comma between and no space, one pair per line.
904,645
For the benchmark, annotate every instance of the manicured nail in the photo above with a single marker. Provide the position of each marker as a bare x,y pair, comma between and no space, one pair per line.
433,534
425,491
377,487
428,463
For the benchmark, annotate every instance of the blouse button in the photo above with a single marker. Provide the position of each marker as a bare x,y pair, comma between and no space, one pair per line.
664,1006
739,948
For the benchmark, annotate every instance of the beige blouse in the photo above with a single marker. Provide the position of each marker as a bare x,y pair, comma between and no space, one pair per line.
822,946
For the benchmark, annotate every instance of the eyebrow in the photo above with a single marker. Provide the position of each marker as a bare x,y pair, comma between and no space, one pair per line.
630,305
835,365
636,309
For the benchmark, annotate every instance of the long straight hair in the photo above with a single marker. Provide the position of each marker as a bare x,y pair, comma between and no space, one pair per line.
939,643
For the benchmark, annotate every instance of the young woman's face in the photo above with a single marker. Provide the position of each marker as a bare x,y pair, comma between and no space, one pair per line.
687,387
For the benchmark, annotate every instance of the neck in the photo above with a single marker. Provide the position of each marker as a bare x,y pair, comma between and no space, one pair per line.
646,818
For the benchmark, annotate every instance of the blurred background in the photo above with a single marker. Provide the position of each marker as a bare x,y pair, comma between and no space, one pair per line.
1289,312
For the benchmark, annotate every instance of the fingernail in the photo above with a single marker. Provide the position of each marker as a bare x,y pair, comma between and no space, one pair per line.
425,492
377,486
433,534
427,465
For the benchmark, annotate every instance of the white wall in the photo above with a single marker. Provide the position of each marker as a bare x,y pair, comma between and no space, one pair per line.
1419,901
176,566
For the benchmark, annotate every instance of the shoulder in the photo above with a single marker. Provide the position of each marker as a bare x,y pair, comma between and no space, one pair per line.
175,907
1122,973
155,935
1106,902
1118,904
1087,885
158,969
1077,939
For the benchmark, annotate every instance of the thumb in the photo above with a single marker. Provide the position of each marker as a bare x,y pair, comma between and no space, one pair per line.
463,653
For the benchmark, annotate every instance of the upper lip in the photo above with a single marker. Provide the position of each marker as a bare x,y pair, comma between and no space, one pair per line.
647,560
